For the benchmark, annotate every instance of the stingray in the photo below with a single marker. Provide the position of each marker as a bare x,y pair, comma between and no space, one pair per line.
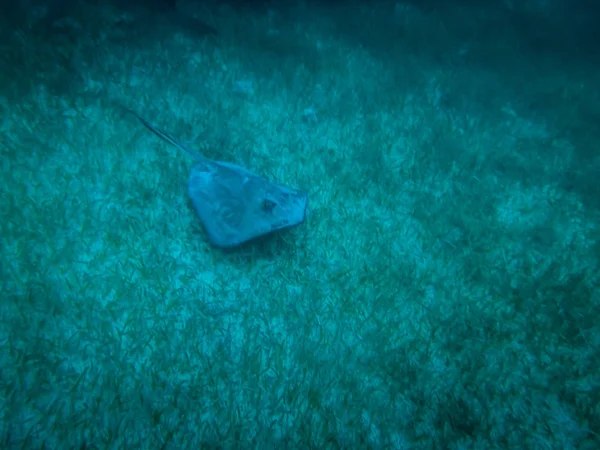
234,204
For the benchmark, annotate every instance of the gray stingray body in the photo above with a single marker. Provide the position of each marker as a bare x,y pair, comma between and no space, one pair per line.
234,204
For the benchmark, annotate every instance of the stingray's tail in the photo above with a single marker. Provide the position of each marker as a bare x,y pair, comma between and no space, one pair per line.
163,135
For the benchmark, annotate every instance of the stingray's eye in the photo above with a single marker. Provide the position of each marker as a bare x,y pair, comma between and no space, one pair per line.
268,205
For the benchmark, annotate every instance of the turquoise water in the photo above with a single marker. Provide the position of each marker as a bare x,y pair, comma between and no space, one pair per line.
442,292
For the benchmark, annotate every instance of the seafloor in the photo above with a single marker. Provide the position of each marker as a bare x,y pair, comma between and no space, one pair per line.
442,294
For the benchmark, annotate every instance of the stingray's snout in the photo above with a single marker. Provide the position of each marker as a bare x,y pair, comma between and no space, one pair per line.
300,205
305,202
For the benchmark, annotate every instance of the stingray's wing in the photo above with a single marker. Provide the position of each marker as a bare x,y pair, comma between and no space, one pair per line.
236,205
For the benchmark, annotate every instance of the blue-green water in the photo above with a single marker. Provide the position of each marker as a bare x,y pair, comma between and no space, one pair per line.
442,292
